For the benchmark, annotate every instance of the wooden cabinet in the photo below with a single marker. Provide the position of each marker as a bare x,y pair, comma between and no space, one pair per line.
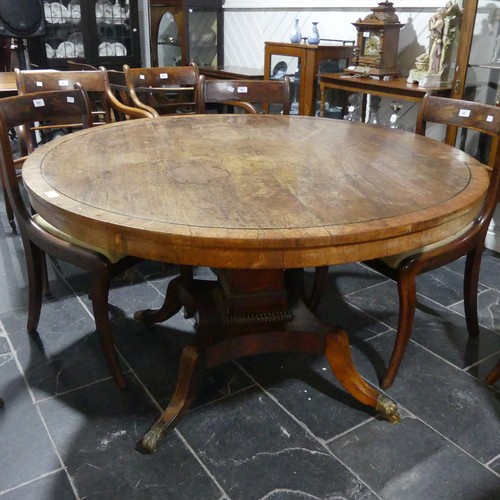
304,64
187,30
96,32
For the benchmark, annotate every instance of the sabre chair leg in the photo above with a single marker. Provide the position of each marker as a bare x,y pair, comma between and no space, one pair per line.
471,280
319,286
34,266
407,303
99,295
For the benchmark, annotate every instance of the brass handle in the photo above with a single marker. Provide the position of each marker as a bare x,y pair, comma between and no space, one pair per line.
458,84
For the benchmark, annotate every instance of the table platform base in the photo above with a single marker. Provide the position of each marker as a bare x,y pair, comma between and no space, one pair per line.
244,313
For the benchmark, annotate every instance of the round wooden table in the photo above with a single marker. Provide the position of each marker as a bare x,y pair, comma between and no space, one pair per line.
252,196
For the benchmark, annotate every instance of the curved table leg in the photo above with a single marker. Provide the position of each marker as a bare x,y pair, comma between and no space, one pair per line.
191,368
338,354
171,305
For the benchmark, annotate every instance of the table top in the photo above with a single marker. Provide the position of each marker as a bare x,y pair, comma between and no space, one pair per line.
8,83
253,191
232,72
395,86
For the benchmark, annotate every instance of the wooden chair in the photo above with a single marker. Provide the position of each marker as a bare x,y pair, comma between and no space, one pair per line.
168,90
118,86
38,236
106,108
246,94
469,241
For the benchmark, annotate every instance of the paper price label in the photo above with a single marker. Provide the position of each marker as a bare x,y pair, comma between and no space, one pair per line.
63,83
38,103
464,113
242,90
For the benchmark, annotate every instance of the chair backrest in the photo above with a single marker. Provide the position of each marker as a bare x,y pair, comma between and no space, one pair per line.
22,110
118,87
469,115
246,93
168,90
94,82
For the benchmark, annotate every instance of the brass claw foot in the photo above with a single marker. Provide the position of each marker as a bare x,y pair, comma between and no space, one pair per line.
151,439
388,409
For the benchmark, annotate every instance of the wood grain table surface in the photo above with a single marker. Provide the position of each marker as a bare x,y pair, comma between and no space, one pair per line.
254,191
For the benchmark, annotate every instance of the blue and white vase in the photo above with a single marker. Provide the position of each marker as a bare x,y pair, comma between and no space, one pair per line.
314,36
295,35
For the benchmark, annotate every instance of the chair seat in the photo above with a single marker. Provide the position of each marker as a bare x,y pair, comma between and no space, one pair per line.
394,261
112,256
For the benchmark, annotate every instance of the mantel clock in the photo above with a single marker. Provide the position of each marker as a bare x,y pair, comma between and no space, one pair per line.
377,42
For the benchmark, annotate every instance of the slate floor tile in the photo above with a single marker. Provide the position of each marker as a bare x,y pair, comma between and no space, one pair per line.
395,462
449,400
255,450
26,451
96,437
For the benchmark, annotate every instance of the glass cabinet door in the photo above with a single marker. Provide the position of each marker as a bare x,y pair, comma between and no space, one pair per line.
169,41
186,30
96,32
282,66
203,37
114,35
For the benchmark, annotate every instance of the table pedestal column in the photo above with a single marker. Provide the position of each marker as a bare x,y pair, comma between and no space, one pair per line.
248,312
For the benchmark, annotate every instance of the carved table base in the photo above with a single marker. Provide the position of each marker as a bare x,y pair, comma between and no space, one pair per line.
249,312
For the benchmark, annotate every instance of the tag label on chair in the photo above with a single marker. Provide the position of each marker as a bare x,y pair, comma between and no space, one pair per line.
163,76
230,88
465,113
242,90
70,99
142,77
39,84
63,83
489,118
38,103
51,194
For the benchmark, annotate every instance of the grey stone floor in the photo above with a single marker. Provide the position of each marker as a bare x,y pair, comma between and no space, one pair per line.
265,427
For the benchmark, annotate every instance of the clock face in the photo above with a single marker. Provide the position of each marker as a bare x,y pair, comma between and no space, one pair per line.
371,44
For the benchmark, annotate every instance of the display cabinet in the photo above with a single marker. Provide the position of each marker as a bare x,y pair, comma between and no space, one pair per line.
95,32
186,30
304,64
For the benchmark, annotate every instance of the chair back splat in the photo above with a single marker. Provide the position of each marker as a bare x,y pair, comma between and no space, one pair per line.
246,94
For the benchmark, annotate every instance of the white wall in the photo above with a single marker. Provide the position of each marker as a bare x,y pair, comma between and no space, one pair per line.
246,31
